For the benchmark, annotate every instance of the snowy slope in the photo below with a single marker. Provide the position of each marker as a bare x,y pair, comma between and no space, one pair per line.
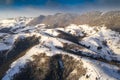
97,47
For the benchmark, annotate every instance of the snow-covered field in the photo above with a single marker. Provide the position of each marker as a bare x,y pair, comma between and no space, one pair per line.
99,47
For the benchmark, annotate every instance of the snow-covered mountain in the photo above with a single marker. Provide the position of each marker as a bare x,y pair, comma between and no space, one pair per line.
74,52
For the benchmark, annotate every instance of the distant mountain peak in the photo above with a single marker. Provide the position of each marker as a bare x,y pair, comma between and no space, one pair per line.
94,18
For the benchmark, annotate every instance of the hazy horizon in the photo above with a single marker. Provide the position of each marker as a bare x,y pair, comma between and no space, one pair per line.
33,8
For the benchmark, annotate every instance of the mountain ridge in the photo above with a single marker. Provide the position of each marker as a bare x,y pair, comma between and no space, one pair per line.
110,19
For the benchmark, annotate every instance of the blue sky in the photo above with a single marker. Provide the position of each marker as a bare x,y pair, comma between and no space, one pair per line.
42,2
45,4
36,7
